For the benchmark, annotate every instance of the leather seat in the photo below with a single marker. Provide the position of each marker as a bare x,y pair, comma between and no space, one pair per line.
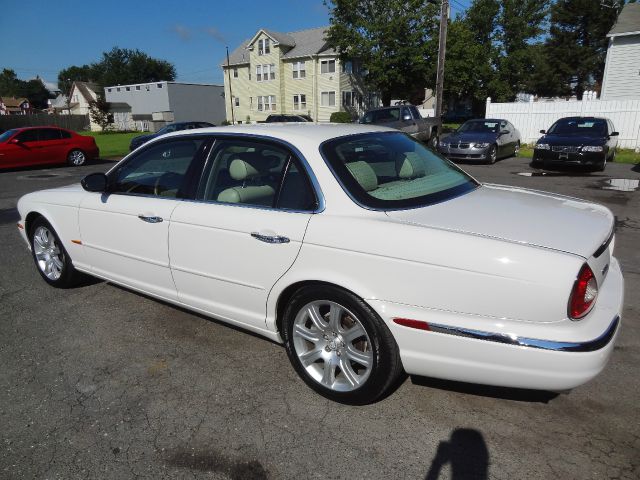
252,171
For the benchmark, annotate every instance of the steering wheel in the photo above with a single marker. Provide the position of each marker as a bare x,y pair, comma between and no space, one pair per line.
171,179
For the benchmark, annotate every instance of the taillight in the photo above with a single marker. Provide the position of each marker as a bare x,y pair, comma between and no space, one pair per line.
584,293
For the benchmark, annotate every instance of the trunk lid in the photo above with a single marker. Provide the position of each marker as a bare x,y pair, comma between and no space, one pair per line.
519,215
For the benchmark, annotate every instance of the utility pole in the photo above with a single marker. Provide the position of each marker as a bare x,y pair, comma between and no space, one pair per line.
442,48
233,120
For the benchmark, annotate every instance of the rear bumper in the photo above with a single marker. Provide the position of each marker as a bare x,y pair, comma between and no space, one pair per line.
545,356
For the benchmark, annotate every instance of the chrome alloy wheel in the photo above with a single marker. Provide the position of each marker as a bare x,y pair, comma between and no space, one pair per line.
48,254
332,346
76,158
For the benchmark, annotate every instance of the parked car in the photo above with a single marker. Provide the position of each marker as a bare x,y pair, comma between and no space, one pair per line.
273,118
485,140
405,118
360,249
583,141
22,147
172,127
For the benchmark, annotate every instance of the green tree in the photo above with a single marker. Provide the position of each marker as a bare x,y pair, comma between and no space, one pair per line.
576,48
9,83
389,39
119,66
33,90
99,113
67,76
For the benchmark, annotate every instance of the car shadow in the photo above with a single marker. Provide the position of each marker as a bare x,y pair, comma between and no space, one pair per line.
503,393
465,452
9,215
636,167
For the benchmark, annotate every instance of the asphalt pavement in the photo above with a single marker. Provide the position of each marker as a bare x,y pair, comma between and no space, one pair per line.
101,382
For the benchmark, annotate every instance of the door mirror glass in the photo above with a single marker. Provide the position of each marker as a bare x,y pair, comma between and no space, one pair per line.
543,131
95,182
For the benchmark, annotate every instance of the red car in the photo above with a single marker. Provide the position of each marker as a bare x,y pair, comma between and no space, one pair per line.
22,147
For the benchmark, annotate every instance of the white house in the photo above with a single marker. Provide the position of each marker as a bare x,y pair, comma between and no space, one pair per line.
622,70
81,95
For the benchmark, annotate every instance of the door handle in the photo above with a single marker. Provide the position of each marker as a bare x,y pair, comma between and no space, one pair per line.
144,218
269,238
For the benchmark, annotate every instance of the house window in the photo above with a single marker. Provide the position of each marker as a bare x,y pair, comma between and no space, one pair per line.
118,89
128,89
159,85
300,102
328,99
267,103
263,47
109,90
137,87
347,67
348,99
235,73
299,70
236,101
327,66
265,72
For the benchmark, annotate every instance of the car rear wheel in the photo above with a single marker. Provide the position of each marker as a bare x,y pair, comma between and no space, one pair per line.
76,158
339,346
434,141
51,258
492,155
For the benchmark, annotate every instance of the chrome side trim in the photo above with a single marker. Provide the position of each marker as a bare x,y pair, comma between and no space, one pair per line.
589,346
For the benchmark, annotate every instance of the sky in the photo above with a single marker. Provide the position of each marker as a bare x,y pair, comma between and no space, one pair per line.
188,33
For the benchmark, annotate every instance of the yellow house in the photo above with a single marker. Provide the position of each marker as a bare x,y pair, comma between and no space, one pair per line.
291,73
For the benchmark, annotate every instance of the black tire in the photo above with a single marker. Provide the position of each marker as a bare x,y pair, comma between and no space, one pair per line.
69,276
386,366
535,163
516,150
492,154
434,141
76,158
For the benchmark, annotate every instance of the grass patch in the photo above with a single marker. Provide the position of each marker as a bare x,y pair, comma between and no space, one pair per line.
112,144
625,155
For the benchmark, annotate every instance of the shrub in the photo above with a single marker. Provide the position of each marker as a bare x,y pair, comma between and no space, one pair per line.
341,117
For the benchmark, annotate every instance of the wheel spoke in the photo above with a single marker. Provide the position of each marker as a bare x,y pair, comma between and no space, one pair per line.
349,373
353,333
37,239
363,358
307,358
329,374
335,315
307,334
316,318
57,263
40,256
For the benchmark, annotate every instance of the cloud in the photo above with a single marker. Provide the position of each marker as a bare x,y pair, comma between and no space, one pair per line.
183,32
214,33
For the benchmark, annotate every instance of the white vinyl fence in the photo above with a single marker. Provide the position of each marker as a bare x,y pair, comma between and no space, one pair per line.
531,117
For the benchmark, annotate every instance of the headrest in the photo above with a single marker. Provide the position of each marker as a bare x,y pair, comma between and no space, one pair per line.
410,166
248,167
364,175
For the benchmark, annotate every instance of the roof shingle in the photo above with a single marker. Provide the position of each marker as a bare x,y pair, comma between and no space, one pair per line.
628,21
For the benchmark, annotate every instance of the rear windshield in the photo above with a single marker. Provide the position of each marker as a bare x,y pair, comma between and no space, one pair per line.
579,126
391,170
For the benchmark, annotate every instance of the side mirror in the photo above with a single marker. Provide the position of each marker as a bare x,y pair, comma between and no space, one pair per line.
504,132
95,182
15,141
614,134
543,131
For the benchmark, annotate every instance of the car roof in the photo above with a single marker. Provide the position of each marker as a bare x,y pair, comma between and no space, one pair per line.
390,106
300,131
582,118
486,120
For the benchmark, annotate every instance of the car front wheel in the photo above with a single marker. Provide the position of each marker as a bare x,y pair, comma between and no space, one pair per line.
492,154
339,345
51,258
76,158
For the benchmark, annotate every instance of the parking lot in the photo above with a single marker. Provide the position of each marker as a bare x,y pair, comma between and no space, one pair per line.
101,382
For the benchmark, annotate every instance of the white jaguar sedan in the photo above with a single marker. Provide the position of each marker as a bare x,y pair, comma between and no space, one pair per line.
361,250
